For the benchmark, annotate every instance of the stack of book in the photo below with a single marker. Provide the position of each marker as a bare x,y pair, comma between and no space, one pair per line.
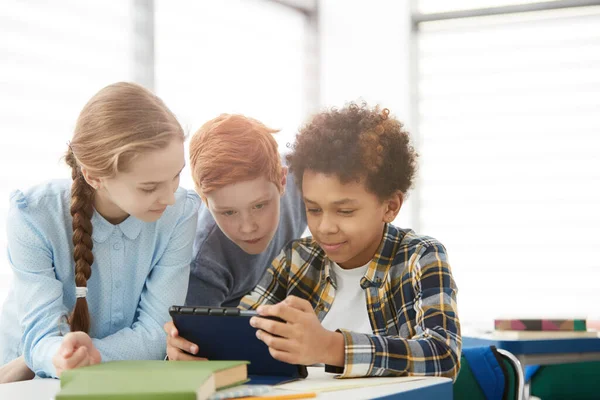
541,329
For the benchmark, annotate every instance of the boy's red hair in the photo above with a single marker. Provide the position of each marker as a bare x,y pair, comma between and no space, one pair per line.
233,148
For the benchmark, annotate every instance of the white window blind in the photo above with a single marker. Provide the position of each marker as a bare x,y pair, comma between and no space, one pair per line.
211,57
509,110
439,6
53,57
231,56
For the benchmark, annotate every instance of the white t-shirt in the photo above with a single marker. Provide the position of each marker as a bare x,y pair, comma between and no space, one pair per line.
349,308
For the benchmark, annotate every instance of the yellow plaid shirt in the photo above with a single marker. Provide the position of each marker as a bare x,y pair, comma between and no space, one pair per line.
411,302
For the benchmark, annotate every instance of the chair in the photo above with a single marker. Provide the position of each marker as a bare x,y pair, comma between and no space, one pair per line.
576,381
488,373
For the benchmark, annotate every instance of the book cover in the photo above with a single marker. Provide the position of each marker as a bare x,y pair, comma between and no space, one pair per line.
577,325
152,380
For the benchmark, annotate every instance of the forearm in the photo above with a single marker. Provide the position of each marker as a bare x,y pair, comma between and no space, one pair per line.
15,371
39,357
429,355
138,343
335,354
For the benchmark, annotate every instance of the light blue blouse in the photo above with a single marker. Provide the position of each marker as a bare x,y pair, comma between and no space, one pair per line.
140,269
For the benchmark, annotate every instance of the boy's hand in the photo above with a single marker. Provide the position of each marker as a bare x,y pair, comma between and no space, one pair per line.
177,347
76,350
302,340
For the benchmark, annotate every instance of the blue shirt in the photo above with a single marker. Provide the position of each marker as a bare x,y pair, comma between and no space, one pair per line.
140,269
221,272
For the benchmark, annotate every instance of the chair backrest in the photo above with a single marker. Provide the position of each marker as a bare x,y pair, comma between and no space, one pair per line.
466,385
515,388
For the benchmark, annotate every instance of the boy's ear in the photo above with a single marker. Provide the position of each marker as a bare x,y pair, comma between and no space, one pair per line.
392,206
284,172
95,183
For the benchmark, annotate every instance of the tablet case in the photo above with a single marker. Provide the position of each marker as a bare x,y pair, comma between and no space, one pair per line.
224,333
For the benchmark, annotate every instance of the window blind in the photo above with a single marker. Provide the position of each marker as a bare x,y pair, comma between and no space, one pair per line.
509,127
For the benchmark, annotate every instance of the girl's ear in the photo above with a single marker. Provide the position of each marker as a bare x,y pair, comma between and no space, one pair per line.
95,183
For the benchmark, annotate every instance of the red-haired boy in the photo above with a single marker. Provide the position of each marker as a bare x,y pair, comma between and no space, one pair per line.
252,209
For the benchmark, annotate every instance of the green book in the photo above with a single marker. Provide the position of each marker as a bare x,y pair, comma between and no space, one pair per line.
194,380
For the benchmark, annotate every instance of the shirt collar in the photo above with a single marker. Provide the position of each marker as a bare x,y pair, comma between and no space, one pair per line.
131,228
326,271
384,257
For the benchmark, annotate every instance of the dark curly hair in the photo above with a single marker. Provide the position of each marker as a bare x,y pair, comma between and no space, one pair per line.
353,143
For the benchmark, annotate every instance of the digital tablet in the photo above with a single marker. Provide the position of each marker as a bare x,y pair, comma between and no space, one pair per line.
224,333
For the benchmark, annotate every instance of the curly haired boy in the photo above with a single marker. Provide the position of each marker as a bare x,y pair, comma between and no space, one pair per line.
361,295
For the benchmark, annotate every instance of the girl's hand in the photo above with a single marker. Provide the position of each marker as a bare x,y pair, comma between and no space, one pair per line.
76,350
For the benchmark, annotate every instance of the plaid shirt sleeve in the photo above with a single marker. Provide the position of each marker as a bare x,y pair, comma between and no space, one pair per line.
435,344
272,287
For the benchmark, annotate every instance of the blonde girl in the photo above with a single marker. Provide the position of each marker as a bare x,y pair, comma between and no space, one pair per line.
98,260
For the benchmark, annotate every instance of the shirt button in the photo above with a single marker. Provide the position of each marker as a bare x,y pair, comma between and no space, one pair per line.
117,246
118,285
